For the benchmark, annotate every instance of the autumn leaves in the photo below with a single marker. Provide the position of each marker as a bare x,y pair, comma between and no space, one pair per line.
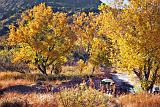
48,36
126,38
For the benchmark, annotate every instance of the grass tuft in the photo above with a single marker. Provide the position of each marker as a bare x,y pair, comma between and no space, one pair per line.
140,100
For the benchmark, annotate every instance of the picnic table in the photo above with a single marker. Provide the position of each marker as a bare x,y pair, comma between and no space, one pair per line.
108,86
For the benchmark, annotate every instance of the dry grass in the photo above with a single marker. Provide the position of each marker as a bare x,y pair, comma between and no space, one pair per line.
74,97
8,79
73,71
84,97
140,100
28,100
13,78
18,75
10,75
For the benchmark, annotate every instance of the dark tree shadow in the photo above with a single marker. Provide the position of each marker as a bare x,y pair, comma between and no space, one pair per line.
19,89
23,89
121,85
75,81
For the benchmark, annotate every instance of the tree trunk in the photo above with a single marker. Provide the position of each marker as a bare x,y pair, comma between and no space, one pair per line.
93,70
42,69
138,73
52,69
154,77
146,73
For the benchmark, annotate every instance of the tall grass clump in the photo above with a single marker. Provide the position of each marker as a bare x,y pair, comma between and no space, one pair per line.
140,100
11,75
82,97
18,75
28,100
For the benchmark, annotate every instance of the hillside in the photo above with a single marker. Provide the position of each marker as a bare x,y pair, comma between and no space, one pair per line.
11,9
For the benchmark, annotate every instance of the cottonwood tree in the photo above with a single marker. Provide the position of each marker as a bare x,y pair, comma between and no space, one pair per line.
85,27
100,52
42,38
94,44
135,31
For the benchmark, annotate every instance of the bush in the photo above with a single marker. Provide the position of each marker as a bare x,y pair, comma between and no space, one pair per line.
82,97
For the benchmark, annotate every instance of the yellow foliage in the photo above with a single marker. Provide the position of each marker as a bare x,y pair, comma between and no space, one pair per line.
80,97
134,32
43,37
81,65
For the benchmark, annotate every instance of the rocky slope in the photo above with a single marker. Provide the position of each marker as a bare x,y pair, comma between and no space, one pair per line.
10,9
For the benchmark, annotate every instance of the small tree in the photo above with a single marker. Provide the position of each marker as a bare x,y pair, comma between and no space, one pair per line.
81,65
42,37
100,53
96,46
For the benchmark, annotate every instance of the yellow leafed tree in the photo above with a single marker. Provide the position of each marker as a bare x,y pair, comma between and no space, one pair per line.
135,30
42,37
97,46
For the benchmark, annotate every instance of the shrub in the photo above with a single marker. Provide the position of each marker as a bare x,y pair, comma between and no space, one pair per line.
82,97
